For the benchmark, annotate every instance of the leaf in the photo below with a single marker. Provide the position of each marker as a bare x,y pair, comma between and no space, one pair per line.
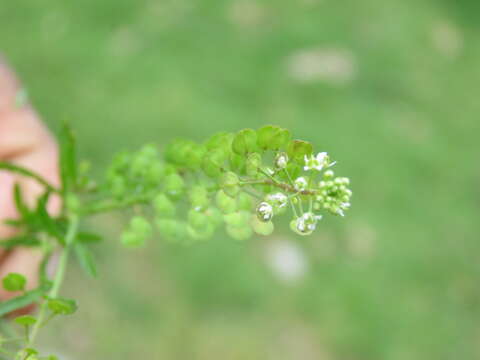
68,158
26,320
85,259
88,238
14,282
45,221
25,172
21,301
62,306
20,204
20,240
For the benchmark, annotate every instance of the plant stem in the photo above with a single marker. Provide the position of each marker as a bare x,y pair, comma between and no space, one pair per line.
59,276
117,205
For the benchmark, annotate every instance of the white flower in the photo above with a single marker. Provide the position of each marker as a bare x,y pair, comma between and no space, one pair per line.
264,211
278,199
307,223
281,161
300,184
317,162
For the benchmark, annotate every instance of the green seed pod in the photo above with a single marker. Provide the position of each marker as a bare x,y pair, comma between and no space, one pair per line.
198,220
215,215
238,219
220,141
131,239
230,184
198,196
297,149
172,229
155,173
202,233
244,201
174,185
261,227
212,163
239,233
272,137
163,206
140,226
118,186
139,165
254,162
244,142
225,203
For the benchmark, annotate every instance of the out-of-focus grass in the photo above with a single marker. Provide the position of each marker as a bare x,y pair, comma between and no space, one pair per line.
390,89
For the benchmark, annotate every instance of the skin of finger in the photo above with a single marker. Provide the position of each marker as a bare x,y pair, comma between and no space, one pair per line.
26,260
24,141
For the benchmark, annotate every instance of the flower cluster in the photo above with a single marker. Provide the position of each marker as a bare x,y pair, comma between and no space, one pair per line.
220,180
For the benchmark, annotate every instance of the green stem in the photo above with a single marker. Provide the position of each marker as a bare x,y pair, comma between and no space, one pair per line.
115,205
59,276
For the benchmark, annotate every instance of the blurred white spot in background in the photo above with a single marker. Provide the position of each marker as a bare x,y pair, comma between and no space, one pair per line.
447,39
287,260
246,13
328,65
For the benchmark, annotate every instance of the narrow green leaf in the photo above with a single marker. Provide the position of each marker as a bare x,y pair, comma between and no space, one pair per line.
20,240
88,238
25,172
21,301
85,259
68,158
20,204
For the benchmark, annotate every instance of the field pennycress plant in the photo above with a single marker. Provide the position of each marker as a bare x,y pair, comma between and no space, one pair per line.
241,182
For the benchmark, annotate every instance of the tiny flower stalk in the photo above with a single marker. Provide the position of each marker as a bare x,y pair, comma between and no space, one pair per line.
238,184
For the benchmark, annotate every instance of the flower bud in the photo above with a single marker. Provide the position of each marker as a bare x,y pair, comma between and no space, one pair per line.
264,211
300,184
328,175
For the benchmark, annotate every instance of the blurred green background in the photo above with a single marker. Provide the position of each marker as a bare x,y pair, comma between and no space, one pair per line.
389,88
